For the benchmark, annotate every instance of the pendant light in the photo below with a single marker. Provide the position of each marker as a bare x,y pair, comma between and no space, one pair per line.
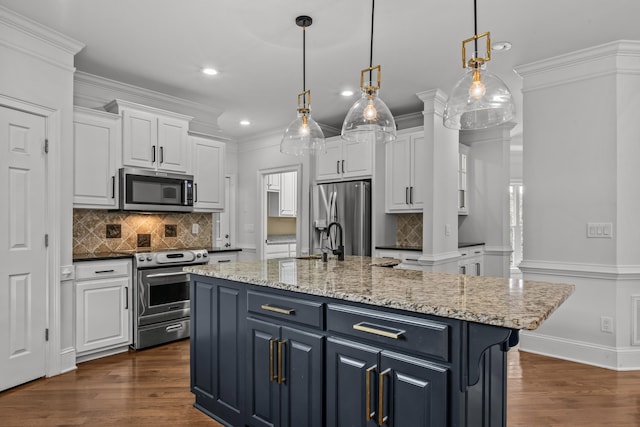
480,99
303,136
369,116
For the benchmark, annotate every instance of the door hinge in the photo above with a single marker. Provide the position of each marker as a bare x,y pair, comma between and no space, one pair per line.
46,146
46,240
46,334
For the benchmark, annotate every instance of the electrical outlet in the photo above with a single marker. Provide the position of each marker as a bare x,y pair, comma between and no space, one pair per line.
195,229
606,324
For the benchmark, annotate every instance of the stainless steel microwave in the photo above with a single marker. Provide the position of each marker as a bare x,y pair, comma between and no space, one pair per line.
155,191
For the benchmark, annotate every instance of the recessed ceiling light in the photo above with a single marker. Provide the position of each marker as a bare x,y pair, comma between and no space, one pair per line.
500,46
245,122
346,93
209,71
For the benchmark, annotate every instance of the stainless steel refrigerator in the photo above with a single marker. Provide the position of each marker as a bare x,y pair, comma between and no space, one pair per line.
347,203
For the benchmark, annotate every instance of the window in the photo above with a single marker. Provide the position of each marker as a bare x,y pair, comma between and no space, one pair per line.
515,214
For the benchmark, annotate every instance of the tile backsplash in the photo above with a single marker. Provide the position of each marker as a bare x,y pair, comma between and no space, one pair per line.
96,231
409,229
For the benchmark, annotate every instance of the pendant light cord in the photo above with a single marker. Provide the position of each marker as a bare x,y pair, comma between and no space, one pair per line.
373,6
475,27
304,63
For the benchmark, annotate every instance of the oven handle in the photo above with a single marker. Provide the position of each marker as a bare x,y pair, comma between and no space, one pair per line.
177,273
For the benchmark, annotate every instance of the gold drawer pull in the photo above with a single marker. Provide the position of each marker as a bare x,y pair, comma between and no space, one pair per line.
378,330
268,307
281,378
381,418
369,414
272,376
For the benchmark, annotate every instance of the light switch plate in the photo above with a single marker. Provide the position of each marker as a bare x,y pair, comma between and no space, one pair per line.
599,230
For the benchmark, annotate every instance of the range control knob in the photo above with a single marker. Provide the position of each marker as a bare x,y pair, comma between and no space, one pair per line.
198,256
141,259
149,258
204,255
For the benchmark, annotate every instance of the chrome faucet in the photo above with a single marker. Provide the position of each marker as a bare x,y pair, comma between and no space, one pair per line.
340,250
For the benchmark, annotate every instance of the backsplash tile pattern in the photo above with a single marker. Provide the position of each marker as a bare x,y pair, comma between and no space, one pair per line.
90,230
409,229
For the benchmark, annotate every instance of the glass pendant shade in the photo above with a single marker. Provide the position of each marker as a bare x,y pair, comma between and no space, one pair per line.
479,100
303,136
369,117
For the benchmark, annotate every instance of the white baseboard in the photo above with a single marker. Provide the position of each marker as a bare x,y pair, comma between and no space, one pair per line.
618,359
68,360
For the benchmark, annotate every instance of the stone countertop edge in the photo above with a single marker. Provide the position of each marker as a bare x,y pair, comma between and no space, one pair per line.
494,301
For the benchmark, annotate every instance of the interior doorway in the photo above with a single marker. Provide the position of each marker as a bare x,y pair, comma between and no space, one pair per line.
280,213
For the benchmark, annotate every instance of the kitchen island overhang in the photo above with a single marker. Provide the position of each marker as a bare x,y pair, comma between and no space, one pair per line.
433,333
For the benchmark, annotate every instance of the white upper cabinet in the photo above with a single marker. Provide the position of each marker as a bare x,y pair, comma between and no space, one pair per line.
96,158
344,160
288,194
405,173
208,173
463,195
152,138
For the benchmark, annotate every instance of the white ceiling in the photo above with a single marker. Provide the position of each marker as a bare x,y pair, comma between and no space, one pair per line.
162,45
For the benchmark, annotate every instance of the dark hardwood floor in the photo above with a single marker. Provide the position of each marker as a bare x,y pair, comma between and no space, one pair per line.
151,388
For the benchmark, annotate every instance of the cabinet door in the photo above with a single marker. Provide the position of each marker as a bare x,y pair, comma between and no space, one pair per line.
263,393
301,396
358,159
414,392
398,174
288,194
208,172
102,313
347,366
217,348
329,164
96,144
418,157
463,195
172,144
139,139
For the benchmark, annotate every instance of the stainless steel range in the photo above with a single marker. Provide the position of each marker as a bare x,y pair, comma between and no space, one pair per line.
161,291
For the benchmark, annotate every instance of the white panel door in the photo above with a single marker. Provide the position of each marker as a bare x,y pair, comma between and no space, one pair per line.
102,313
358,159
208,172
172,144
139,139
23,256
329,164
288,194
398,174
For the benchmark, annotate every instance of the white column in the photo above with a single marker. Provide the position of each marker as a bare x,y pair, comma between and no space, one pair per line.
440,217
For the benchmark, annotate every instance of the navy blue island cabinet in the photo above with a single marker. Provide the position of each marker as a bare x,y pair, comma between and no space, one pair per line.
262,356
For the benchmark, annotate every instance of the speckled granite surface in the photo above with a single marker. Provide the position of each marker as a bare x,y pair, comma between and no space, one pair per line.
489,300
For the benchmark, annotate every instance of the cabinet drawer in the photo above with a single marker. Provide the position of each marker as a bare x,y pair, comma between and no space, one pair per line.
289,309
102,269
403,332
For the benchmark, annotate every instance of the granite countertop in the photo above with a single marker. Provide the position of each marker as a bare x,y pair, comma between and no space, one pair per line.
100,256
419,248
509,303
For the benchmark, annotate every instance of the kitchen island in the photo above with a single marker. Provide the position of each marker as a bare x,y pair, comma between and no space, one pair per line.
298,342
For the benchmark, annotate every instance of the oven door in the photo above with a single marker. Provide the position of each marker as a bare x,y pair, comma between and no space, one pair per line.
163,294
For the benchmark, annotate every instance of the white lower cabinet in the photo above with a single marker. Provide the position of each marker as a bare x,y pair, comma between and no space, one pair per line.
103,305
280,250
471,261
222,257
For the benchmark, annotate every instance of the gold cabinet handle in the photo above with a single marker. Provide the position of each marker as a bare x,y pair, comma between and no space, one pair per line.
268,307
281,378
378,330
381,418
369,414
272,376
